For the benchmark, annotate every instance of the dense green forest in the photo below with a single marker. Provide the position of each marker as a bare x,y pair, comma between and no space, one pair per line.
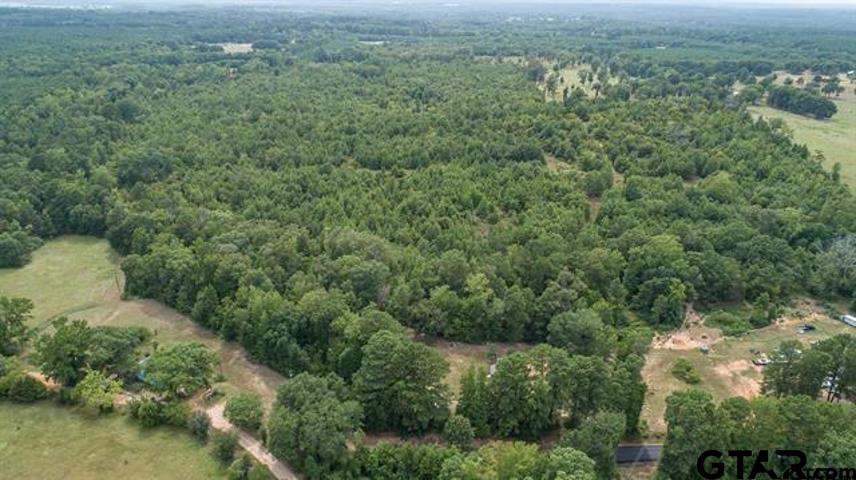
353,179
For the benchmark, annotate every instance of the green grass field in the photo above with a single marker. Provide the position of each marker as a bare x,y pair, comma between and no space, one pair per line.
835,137
80,277
48,442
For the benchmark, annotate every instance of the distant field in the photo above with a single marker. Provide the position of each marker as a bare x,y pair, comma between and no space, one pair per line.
727,370
80,277
47,442
835,137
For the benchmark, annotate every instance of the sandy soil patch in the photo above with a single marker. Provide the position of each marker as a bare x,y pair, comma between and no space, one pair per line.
236,47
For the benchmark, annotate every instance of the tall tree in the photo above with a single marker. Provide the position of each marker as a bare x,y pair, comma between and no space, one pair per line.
400,384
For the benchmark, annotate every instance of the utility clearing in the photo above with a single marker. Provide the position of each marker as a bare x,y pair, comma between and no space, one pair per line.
726,370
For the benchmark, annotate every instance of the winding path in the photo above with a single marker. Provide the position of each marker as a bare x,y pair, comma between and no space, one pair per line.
252,445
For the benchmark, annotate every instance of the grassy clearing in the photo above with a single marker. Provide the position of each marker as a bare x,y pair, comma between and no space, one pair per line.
80,277
637,472
462,356
568,77
727,370
60,443
835,137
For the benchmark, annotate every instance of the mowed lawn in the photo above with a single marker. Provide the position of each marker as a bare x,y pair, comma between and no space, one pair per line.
47,442
835,137
80,277
727,370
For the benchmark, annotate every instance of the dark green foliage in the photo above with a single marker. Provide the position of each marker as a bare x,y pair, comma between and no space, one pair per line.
800,101
474,401
245,410
458,432
15,247
20,387
311,423
400,385
199,424
402,462
598,437
684,371
693,428
74,347
581,333
697,424
799,370
152,412
223,445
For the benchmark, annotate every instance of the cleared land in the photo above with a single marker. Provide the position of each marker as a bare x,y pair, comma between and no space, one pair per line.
835,137
69,445
80,277
727,370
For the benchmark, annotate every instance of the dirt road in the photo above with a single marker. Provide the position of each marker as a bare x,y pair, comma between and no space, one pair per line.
253,446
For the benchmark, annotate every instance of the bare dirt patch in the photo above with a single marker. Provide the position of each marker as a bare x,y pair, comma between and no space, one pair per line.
726,369
236,47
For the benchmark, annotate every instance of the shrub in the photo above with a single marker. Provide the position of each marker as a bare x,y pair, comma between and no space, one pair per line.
224,447
22,388
148,411
245,411
259,472
459,432
199,423
730,324
240,468
67,396
684,371
176,413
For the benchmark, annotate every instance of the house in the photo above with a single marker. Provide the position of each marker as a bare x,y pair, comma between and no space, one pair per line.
849,320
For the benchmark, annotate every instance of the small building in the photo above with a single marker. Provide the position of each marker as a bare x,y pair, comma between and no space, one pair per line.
849,320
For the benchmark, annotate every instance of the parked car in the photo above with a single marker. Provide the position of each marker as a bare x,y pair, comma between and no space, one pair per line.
761,360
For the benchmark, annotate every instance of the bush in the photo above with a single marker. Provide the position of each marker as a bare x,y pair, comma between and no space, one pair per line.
176,414
730,324
22,388
224,447
684,371
148,411
240,468
245,411
259,472
67,396
459,432
199,423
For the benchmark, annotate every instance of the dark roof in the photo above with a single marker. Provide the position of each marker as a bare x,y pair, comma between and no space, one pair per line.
638,453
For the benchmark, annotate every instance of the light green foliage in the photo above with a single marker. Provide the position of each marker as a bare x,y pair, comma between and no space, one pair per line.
180,369
97,391
63,355
684,371
245,410
14,315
